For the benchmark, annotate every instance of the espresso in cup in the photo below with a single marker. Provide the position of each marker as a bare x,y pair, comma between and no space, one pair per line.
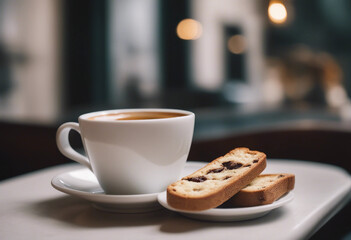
137,116
132,151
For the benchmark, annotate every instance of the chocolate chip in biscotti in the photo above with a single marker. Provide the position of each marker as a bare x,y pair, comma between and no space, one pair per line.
255,161
197,179
232,165
262,198
216,170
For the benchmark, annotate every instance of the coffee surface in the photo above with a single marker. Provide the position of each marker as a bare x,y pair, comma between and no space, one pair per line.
136,116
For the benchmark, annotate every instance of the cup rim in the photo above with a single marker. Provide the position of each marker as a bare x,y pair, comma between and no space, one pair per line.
86,116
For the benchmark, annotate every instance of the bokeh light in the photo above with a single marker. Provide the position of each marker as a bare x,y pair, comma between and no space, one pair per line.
277,12
237,44
189,29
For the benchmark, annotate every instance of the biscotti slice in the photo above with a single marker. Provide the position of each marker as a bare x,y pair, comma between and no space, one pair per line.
264,189
216,182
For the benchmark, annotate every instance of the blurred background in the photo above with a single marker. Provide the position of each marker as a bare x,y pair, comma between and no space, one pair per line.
273,75
60,58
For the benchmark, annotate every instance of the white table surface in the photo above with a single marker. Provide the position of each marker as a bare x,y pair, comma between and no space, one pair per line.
32,209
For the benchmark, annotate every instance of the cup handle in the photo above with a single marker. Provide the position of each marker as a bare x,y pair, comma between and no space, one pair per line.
65,148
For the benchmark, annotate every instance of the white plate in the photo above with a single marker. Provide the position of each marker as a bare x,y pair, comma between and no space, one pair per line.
229,214
83,183
225,214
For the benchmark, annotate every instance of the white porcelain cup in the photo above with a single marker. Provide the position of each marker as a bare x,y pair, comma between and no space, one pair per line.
131,156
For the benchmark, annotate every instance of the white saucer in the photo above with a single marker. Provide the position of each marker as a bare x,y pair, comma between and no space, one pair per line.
228,214
83,183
